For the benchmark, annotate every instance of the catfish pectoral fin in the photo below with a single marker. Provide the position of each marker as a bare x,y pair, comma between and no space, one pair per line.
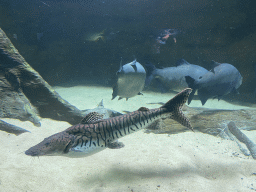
115,145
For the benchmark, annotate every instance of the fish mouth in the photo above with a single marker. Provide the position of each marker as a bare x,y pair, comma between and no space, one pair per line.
33,153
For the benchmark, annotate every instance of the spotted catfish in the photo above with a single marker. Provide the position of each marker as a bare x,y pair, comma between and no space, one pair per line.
95,134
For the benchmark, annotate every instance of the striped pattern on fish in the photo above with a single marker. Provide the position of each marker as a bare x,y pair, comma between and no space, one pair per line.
95,134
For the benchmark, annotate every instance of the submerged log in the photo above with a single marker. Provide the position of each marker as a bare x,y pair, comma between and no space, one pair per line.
24,94
11,128
242,138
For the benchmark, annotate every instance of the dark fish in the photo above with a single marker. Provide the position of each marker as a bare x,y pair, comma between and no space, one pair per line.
130,80
95,134
107,113
221,80
173,78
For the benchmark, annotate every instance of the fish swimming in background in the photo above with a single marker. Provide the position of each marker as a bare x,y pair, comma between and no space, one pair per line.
15,36
95,36
173,78
162,37
95,134
130,80
221,80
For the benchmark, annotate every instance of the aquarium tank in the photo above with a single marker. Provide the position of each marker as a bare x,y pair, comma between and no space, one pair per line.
127,95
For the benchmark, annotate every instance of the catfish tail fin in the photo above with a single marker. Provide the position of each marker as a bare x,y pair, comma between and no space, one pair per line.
174,106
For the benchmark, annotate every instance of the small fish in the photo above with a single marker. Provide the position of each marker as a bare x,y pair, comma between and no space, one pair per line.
162,37
15,36
130,80
95,134
221,80
45,3
95,36
173,78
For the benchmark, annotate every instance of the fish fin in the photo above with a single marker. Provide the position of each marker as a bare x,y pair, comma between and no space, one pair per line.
191,96
191,83
120,98
101,104
76,150
181,62
143,109
115,145
91,118
203,96
114,94
127,99
234,91
140,93
134,66
212,70
174,106
214,64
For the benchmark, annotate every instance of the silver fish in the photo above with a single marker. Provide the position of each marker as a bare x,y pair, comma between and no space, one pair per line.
95,134
130,80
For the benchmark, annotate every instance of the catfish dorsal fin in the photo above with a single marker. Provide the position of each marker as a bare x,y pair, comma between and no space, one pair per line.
91,118
143,109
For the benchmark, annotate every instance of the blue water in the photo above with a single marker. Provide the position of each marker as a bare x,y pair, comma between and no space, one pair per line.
81,43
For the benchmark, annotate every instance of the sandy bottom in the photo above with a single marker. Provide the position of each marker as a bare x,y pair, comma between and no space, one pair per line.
148,162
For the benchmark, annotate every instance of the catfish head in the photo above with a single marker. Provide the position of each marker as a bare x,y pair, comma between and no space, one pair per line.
55,145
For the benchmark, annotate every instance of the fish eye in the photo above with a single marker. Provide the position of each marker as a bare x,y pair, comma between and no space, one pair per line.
200,77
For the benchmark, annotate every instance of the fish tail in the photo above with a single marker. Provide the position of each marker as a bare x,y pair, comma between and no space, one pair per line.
191,84
174,106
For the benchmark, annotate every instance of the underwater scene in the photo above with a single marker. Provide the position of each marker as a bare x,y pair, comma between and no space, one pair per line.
127,95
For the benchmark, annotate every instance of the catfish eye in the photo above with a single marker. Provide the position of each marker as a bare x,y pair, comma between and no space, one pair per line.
46,144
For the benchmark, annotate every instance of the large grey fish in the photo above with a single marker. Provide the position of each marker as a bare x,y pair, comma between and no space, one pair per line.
173,78
221,80
95,134
130,80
